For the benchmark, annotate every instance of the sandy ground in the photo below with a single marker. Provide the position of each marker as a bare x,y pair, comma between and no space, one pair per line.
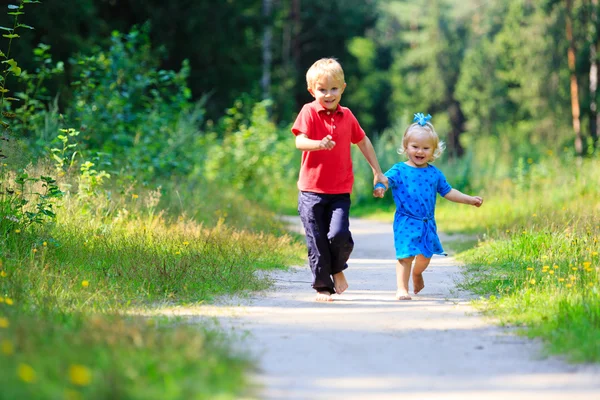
367,345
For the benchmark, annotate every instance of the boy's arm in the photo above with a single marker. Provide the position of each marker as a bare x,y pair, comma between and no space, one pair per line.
366,147
459,197
305,144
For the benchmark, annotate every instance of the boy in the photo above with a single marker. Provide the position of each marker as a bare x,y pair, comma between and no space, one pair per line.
324,132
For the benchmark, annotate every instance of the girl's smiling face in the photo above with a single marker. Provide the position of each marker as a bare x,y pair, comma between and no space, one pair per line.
419,149
328,91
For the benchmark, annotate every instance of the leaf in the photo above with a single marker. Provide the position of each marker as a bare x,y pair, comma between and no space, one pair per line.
13,7
9,114
11,36
25,26
4,28
16,13
12,98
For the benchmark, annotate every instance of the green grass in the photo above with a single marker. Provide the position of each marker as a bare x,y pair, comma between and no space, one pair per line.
52,355
70,290
538,266
531,251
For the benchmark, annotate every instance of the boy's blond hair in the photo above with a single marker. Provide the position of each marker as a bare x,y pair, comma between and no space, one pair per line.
324,67
429,131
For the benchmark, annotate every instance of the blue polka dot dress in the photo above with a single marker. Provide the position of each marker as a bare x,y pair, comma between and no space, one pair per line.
415,192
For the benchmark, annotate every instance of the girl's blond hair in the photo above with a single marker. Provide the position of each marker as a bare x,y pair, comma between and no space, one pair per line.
429,131
324,67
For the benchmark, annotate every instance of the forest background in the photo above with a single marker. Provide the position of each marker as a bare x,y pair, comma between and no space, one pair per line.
151,133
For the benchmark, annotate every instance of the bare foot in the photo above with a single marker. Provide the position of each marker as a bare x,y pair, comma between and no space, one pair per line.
401,295
418,282
323,296
340,283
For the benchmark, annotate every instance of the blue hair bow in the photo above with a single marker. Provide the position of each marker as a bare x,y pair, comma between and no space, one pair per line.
422,119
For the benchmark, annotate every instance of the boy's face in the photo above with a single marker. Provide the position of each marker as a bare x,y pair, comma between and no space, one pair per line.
328,91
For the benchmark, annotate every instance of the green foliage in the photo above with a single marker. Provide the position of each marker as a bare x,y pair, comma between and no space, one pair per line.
10,65
25,201
253,156
35,95
129,108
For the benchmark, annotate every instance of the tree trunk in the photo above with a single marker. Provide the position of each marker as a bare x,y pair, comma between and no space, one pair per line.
575,108
594,72
267,51
457,122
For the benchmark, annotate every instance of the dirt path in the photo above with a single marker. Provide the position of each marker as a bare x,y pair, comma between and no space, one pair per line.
366,345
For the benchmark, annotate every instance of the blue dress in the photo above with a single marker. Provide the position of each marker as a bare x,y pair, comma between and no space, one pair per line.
415,192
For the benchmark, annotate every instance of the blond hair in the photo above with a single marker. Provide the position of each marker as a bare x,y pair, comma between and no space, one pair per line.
427,130
324,67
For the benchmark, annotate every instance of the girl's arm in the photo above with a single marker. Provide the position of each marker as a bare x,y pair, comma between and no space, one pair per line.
459,197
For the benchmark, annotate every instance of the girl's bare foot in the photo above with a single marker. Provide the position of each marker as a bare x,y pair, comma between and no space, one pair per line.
340,283
418,282
323,296
402,295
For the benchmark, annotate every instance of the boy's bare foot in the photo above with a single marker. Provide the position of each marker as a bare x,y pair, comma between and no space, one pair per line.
323,296
418,282
401,295
340,283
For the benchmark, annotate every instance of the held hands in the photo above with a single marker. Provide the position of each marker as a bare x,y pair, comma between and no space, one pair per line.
327,143
381,185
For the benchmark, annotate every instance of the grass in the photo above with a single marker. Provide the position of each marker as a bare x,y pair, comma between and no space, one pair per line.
531,251
537,264
67,290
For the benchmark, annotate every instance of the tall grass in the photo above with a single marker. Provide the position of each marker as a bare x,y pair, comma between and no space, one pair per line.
534,254
537,263
67,289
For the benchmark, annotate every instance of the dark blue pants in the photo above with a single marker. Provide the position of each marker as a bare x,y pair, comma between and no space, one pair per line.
326,222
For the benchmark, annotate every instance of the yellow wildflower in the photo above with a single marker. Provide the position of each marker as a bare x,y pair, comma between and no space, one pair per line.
177,252
532,281
561,279
85,283
3,274
17,231
586,264
34,250
186,243
45,244
6,347
80,375
26,373
568,285
529,268
555,266
8,301
134,196
595,253
551,272
591,284
4,322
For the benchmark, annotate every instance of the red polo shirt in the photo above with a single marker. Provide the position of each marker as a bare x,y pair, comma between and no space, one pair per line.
327,171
